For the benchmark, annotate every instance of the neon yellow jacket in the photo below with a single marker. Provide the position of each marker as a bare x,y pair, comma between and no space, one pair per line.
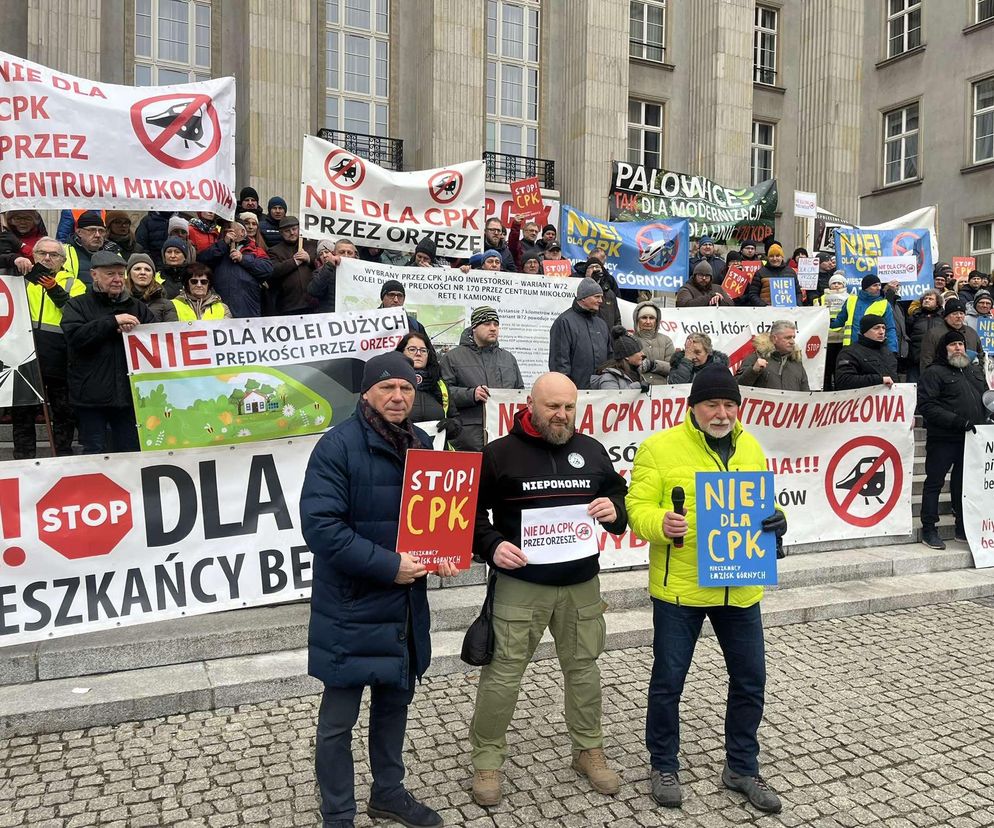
45,314
671,458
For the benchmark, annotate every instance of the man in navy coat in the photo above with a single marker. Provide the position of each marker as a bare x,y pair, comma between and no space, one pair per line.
369,605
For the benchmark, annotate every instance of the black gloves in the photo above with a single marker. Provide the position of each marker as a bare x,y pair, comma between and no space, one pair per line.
967,425
777,523
451,426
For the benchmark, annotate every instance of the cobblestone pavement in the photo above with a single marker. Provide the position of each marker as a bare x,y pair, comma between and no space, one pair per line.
878,720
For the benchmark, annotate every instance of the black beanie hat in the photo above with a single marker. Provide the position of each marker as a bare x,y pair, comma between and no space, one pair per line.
870,280
714,382
392,365
549,227
91,218
951,337
953,306
392,286
623,343
870,320
248,192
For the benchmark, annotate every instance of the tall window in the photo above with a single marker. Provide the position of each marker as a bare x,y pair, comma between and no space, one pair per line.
172,41
763,150
512,77
647,29
983,120
645,133
901,145
985,10
904,26
764,46
982,244
357,66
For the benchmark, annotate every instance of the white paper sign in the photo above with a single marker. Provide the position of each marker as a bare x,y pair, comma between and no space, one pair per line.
901,268
437,437
807,273
805,204
978,494
563,533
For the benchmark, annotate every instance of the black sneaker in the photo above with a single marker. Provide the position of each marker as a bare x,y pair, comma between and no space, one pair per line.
407,811
666,788
959,533
756,789
930,537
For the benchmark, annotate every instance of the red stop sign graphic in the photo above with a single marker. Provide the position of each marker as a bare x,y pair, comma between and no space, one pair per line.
84,516
813,347
6,309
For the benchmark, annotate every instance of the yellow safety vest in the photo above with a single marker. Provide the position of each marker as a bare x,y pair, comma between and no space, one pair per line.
878,308
45,314
186,313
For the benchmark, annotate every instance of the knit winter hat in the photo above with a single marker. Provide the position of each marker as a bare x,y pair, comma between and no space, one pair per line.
483,315
91,218
178,223
587,288
178,243
869,281
117,215
981,294
774,250
747,243
428,247
705,240
837,279
138,258
714,382
870,320
623,344
248,192
953,306
703,267
247,216
391,365
549,227
326,244
391,286
276,201
951,337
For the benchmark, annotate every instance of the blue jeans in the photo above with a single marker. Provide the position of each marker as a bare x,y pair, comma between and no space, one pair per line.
740,636
333,762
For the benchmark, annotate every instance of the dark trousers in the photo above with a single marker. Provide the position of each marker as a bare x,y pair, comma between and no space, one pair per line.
62,416
831,357
333,763
94,424
941,456
740,636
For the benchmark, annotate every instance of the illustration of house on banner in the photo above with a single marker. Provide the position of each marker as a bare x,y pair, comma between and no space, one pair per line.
252,403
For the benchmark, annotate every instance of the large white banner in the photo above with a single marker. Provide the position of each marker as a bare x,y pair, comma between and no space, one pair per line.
69,141
92,543
442,300
978,494
20,380
343,195
843,460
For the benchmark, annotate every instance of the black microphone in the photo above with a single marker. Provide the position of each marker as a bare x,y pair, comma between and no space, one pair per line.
678,501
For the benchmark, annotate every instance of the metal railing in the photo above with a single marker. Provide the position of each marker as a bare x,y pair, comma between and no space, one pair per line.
387,152
507,168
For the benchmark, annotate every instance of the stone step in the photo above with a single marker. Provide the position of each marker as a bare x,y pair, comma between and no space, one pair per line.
284,627
79,702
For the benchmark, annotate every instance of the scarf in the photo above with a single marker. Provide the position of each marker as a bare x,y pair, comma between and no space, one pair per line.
399,437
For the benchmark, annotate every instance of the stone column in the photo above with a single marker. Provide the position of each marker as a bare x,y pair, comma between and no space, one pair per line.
65,35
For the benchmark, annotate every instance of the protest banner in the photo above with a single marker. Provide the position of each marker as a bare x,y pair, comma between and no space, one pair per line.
71,141
646,256
843,460
736,281
641,193
782,293
807,273
825,224
557,268
99,542
443,299
501,205
241,380
858,249
962,265
978,494
438,506
20,377
732,548
985,330
805,204
343,195
527,197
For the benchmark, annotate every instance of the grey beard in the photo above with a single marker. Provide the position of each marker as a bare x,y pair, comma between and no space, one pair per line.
959,360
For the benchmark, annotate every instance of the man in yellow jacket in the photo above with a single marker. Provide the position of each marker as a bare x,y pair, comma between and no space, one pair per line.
710,439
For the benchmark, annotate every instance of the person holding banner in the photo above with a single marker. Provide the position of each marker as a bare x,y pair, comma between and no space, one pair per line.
545,482
833,298
240,267
700,291
294,263
776,361
657,347
663,474
493,239
868,361
198,299
776,267
90,237
370,618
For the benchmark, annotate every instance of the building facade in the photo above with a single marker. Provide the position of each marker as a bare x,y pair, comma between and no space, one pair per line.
878,107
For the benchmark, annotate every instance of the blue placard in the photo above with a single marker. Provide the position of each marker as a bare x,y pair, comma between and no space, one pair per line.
858,248
985,330
782,293
732,548
651,255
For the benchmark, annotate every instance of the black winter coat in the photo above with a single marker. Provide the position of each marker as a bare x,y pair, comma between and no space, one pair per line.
364,628
918,326
579,342
950,399
864,363
98,368
152,232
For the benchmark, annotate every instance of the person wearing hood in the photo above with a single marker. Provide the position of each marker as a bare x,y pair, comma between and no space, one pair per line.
393,294
204,230
152,232
697,354
531,264
580,339
833,298
923,316
622,371
248,202
869,361
293,268
867,301
951,402
776,362
24,229
89,238
700,291
609,310
980,309
93,324
657,347
240,270
472,368
776,267
269,224
119,232
143,285
706,252
198,299
174,265
954,317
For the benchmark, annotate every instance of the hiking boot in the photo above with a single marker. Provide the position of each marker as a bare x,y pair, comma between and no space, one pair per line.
407,811
959,533
593,764
930,537
486,788
666,788
758,792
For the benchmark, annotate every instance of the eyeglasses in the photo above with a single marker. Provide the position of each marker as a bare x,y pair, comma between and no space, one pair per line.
49,254
416,351
200,281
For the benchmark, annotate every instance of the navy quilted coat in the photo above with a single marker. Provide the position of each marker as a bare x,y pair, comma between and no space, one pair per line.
361,620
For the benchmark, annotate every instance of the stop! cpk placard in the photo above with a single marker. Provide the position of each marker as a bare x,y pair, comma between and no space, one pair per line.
438,506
